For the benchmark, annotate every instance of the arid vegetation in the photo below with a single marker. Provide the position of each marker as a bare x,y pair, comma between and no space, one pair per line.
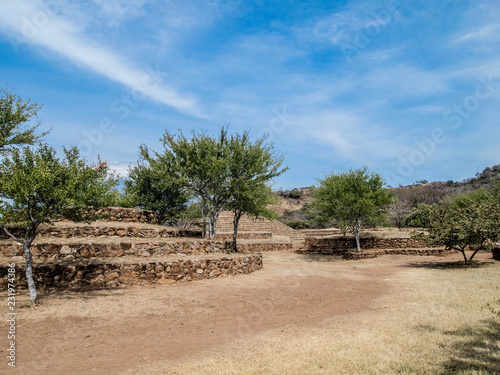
429,304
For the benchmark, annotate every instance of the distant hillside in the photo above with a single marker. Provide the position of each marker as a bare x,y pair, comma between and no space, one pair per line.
293,203
291,207
484,178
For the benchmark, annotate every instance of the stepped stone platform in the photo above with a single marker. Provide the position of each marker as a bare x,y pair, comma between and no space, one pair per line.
123,272
258,228
374,242
73,248
128,247
66,229
373,253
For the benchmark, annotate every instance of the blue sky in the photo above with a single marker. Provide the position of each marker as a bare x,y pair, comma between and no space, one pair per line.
410,89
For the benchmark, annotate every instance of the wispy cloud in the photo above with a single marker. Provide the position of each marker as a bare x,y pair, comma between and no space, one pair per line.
357,19
63,37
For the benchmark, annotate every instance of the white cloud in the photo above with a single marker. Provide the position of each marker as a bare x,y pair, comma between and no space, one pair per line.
120,168
486,34
349,135
357,18
29,22
120,9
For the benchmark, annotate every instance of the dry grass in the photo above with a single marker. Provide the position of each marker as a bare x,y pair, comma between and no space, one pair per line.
435,320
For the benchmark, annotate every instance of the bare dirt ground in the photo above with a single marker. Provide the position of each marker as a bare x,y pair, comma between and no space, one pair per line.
114,331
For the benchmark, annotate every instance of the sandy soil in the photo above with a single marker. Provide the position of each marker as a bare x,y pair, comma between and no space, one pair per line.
109,332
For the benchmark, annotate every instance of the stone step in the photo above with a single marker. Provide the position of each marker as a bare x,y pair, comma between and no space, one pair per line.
243,235
78,248
107,229
75,248
344,243
118,273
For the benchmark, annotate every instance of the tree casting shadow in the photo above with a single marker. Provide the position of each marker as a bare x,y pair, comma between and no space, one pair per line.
477,349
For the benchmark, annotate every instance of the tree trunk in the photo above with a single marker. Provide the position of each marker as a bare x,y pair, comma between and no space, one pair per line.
29,273
357,234
472,256
212,222
214,226
236,220
210,228
204,216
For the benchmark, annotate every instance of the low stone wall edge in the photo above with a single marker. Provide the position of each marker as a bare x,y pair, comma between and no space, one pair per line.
120,275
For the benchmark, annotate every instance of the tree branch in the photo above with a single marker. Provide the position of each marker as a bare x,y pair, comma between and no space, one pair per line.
11,235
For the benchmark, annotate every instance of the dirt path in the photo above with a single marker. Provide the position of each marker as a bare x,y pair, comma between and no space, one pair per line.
106,332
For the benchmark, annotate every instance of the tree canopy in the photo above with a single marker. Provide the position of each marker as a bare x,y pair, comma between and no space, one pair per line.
223,171
152,185
352,198
252,166
466,223
15,114
37,187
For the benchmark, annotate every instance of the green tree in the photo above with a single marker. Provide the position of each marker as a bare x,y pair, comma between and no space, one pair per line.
252,166
467,223
15,113
252,200
151,185
221,172
37,187
190,216
201,163
352,198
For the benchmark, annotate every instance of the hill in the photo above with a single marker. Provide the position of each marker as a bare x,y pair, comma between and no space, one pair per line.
292,208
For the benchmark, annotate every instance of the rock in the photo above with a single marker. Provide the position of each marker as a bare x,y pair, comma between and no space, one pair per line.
112,276
65,250
125,245
126,279
107,254
215,272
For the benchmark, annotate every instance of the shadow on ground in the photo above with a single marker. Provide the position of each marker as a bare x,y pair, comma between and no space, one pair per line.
477,350
322,258
450,265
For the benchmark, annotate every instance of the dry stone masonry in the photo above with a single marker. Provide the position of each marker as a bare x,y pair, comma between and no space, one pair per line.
74,250
128,247
95,231
81,276
373,247
338,245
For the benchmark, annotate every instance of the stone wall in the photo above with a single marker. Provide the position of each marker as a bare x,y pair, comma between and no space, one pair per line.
128,215
243,236
374,254
89,231
77,250
337,245
116,275
258,247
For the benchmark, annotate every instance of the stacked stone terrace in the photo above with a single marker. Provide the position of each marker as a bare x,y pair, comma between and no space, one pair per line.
126,248
252,231
373,243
